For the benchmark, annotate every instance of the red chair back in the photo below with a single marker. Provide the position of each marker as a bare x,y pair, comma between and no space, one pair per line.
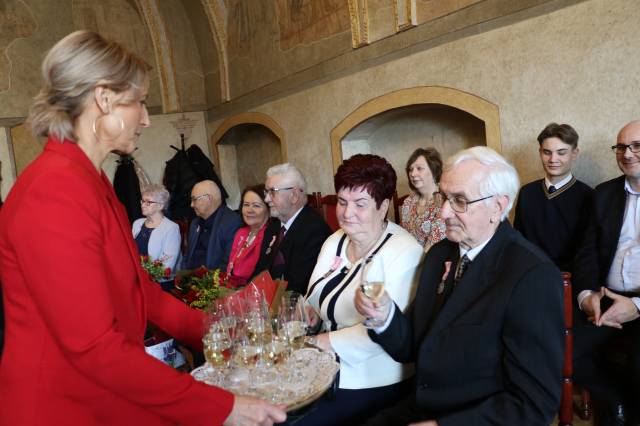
397,205
329,203
565,413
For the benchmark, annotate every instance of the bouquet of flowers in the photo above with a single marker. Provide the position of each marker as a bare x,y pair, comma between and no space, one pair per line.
200,286
155,268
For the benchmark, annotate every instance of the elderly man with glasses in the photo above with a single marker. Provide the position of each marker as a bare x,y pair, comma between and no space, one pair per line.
607,280
211,232
291,246
485,329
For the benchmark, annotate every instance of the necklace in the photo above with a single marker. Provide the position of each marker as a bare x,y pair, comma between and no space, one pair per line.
252,236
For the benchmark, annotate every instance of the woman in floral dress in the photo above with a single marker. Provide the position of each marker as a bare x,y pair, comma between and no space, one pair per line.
419,212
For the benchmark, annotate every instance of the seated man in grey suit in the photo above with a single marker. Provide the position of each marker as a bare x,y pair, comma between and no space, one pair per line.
211,233
486,326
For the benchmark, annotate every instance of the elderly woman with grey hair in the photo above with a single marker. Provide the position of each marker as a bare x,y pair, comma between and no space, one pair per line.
156,236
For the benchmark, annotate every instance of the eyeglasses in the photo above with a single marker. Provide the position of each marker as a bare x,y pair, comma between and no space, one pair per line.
458,203
197,197
148,202
274,191
622,148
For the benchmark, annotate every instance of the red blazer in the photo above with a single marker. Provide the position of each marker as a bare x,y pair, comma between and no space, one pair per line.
243,261
76,305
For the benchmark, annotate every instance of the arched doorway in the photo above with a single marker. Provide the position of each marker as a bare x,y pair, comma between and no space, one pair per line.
421,115
245,146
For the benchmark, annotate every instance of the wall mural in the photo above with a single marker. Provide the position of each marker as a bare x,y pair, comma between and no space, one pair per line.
16,22
306,21
120,21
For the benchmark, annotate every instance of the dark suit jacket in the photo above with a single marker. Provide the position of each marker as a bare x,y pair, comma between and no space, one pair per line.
224,228
493,354
594,258
300,248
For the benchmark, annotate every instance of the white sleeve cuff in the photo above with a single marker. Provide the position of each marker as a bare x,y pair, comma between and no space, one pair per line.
583,295
384,326
636,301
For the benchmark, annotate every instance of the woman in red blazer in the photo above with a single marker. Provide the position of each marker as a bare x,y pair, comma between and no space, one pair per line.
76,300
245,250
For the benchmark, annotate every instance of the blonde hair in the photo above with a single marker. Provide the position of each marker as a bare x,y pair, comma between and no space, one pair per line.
72,68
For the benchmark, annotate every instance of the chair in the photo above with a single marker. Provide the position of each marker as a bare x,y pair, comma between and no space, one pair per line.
565,413
328,204
397,205
183,224
315,200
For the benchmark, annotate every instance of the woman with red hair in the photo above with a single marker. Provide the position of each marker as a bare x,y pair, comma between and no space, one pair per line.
369,379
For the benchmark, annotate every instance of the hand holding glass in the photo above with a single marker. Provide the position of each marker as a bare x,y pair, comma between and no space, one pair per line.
372,285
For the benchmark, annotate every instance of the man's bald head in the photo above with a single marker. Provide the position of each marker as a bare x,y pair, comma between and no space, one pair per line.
205,198
629,132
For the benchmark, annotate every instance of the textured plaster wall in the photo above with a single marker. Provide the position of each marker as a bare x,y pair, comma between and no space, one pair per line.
7,169
577,65
186,57
258,148
29,28
154,144
396,134
26,147
153,147
207,48
257,56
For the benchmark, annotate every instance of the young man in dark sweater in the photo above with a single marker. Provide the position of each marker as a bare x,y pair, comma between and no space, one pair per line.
554,212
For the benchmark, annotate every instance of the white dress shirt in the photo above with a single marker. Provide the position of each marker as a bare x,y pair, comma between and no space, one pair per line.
288,223
560,184
471,254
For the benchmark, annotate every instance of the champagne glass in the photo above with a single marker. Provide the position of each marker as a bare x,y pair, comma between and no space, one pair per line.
247,355
217,351
294,319
372,284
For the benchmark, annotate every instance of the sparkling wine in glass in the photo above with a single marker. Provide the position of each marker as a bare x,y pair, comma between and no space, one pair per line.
372,284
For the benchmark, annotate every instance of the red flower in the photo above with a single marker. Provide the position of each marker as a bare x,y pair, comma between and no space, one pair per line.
167,272
200,272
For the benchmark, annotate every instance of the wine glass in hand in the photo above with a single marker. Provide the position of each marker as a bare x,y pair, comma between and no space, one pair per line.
372,285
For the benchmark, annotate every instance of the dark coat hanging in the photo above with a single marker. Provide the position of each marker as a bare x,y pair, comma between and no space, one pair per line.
127,187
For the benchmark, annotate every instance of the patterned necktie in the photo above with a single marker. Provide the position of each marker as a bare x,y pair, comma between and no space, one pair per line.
462,266
552,189
278,265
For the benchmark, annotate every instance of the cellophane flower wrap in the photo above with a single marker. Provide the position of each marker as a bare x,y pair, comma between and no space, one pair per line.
156,269
200,286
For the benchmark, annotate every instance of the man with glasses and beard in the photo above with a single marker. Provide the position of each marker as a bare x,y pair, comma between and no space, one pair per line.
291,246
607,283
485,329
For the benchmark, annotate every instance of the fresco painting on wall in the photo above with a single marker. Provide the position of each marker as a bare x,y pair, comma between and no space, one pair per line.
307,21
15,22
119,20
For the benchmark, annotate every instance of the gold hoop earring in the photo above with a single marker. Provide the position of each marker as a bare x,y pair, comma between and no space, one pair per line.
96,126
